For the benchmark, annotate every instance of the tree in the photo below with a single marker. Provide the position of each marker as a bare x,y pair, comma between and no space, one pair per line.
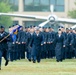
72,13
5,7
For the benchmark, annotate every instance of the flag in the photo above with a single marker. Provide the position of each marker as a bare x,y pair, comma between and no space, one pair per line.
14,29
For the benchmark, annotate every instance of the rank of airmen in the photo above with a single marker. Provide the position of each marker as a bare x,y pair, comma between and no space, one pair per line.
36,43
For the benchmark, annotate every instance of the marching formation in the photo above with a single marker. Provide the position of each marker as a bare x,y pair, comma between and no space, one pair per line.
36,43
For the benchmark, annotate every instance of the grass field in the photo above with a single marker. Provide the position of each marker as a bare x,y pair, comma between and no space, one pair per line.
46,67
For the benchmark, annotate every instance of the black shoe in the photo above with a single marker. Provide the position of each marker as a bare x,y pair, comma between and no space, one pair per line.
29,60
0,68
57,60
61,60
34,61
6,63
38,61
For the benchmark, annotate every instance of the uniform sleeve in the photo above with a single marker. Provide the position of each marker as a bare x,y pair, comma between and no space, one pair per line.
18,37
10,38
31,40
53,36
42,38
55,39
45,37
72,39
48,37
23,37
64,41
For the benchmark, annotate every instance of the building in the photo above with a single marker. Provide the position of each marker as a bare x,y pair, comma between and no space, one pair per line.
41,8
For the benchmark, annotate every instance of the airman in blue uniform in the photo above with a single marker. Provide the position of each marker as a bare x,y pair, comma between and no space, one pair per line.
59,41
3,46
36,45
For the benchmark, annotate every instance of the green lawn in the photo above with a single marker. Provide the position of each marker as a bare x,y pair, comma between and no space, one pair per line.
46,67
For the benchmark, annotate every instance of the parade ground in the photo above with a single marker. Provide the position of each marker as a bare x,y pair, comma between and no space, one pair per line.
46,67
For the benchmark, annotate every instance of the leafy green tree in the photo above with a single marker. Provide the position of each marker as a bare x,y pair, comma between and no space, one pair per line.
72,13
5,7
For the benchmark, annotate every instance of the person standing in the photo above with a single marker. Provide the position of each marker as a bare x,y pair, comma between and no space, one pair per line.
69,44
10,45
59,42
74,45
21,42
52,38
